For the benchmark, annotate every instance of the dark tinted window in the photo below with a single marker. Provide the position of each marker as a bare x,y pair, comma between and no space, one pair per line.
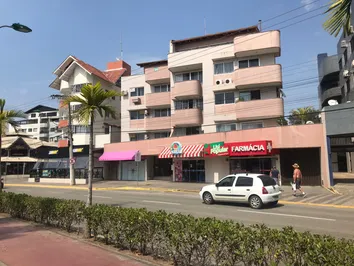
243,181
243,64
254,62
267,180
227,182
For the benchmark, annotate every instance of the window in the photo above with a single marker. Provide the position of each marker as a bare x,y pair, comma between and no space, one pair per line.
225,67
135,137
33,115
52,114
161,135
35,129
225,127
80,129
189,104
53,129
137,92
252,125
189,76
250,95
340,64
30,130
345,53
227,181
135,115
352,45
224,97
248,63
162,88
23,130
106,129
243,181
162,112
193,131
267,180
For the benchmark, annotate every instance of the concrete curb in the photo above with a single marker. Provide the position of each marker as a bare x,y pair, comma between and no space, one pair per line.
316,204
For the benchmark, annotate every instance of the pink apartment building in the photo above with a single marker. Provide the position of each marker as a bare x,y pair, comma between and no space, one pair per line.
209,110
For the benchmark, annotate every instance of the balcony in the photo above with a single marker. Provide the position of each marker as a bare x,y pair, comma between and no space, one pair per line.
157,123
187,117
258,76
330,93
158,99
187,89
256,44
259,109
154,75
137,124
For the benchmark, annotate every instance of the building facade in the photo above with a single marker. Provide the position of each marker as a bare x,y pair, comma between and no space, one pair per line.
219,92
41,123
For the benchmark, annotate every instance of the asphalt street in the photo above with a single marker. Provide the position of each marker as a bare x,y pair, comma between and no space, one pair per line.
323,220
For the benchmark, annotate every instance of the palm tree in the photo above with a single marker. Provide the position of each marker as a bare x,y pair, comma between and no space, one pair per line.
301,115
7,118
93,100
339,17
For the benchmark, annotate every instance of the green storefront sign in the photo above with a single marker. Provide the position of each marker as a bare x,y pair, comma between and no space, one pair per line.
215,149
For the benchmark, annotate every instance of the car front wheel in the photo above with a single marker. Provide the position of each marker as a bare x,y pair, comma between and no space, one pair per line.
208,198
255,202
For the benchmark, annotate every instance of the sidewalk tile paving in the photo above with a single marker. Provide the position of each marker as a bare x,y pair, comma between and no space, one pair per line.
22,244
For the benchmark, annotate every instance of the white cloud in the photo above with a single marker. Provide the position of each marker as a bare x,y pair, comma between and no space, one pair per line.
308,6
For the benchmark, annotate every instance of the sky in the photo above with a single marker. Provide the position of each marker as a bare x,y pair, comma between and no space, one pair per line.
91,31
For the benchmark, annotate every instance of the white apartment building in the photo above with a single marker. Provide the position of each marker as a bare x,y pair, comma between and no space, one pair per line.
41,123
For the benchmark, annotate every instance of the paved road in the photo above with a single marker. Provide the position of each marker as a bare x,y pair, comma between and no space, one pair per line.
324,220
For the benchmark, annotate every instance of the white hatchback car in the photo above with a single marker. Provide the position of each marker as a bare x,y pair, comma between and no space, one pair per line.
256,189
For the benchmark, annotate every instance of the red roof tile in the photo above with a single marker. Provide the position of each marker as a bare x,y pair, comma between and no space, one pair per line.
114,75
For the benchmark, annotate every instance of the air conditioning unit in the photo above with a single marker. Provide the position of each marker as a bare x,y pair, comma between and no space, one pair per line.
124,93
136,101
343,44
218,82
228,81
346,74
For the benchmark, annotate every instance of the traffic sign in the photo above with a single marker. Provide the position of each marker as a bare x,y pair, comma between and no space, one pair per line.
138,156
72,161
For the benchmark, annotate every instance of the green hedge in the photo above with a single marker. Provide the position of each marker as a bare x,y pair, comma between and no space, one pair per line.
182,238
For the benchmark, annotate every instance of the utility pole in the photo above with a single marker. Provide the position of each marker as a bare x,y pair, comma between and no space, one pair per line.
71,144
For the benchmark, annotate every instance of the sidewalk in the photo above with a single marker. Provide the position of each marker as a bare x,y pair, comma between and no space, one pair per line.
24,244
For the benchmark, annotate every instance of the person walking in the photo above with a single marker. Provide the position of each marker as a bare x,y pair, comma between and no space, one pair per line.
297,177
274,173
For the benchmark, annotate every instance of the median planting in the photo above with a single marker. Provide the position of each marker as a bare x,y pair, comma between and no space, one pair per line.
183,239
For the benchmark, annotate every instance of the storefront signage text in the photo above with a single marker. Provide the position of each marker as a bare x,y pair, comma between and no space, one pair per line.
76,150
216,149
176,148
53,152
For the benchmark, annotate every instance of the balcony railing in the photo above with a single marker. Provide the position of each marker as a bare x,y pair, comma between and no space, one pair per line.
258,76
156,123
187,89
187,117
158,99
257,109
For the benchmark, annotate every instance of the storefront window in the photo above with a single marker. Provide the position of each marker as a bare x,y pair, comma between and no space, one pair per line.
251,165
193,171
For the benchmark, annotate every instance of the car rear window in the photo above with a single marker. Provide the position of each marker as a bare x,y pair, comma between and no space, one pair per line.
267,180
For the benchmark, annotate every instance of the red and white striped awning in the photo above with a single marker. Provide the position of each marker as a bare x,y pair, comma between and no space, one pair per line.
188,151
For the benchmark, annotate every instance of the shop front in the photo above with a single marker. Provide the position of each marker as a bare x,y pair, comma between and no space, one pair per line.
188,164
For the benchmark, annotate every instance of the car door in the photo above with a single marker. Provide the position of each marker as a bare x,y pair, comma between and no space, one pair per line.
242,188
223,189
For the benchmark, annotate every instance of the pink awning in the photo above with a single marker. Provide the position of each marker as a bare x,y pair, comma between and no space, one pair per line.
118,156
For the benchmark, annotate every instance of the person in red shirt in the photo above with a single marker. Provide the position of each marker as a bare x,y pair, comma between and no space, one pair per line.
297,177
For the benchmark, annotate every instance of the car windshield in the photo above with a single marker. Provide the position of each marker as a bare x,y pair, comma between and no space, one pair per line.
267,180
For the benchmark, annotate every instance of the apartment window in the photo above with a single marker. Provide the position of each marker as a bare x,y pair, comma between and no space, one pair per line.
225,97
224,67
189,104
30,130
23,130
252,125
53,129
193,130
80,129
106,129
345,54
162,88
162,112
161,135
352,45
135,115
250,95
52,114
189,76
135,137
340,64
75,107
35,129
33,115
43,130
225,127
248,63
137,92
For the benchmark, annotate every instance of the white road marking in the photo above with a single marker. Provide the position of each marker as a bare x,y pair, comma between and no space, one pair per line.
290,215
161,202
102,197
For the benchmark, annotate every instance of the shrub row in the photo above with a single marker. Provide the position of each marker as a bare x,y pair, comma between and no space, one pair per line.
182,238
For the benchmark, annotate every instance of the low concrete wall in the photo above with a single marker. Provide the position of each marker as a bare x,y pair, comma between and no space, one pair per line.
59,181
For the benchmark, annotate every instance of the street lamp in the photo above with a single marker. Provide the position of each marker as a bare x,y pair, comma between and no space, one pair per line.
18,27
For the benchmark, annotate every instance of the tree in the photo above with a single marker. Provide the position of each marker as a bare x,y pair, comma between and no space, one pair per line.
93,100
339,17
282,121
7,118
302,115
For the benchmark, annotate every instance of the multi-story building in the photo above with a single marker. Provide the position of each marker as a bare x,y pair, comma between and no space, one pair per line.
202,113
41,123
328,73
71,75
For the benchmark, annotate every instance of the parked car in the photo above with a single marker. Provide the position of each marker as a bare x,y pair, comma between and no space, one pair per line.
256,189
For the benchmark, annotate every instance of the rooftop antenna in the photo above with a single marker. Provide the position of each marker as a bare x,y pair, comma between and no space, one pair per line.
205,32
260,25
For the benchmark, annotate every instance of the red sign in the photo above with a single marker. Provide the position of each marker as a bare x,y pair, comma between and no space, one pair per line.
250,148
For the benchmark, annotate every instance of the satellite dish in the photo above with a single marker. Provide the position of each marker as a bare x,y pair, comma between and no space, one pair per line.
332,102
309,123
